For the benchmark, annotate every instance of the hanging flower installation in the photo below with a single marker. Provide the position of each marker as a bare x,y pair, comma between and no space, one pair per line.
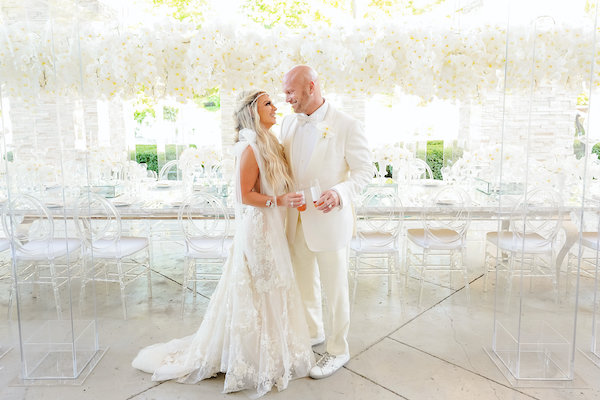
166,57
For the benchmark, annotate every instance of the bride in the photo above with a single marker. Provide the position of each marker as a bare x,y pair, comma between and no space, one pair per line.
254,329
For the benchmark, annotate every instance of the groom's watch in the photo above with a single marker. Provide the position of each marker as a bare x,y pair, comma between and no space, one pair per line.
269,203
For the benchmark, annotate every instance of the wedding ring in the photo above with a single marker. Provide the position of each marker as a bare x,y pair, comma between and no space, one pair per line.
330,205
292,204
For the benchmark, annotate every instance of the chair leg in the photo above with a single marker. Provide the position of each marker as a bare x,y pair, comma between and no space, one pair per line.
423,267
149,271
390,269
122,287
487,258
11,293
569,260
463,265
83,283
186,268
407,264
453,267
55,289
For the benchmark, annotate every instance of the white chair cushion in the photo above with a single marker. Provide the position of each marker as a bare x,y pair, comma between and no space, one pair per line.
442,239
123,247
590,239
208,247
374,242
533,243
42,250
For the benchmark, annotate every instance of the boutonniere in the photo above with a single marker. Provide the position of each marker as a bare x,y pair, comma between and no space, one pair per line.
326,131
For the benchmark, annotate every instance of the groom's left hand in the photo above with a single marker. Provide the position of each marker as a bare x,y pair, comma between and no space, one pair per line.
328,201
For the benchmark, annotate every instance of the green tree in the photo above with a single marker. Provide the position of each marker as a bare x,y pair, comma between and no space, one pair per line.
394,8
170,113
210,100
185,9
294,13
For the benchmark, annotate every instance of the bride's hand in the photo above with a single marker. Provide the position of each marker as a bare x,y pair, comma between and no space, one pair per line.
291,200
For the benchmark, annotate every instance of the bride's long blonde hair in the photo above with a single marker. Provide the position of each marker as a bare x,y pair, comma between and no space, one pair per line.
277,170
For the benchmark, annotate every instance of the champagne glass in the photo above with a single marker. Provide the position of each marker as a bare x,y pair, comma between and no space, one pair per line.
315,190
302,206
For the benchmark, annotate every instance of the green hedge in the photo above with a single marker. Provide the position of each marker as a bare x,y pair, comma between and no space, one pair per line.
147,153
438,156
596,150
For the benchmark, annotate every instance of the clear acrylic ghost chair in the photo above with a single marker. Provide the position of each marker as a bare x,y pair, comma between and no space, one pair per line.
41,258
378,230
110,257
440,245
205,225
168,169
418,169
151,175
527,249
590,247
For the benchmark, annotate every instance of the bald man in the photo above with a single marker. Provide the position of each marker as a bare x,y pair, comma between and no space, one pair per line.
325,144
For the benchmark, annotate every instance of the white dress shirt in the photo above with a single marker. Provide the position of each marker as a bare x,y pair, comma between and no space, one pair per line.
306,137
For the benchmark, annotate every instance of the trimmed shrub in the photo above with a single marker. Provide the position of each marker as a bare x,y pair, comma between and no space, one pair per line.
146,153
596,150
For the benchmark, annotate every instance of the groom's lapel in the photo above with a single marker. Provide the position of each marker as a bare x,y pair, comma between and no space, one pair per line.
319,152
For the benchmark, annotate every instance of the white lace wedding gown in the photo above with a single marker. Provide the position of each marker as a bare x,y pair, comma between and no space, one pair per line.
254,329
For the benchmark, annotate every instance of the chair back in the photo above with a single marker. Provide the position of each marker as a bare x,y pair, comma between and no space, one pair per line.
448,211
418,169
151,174
166,170
97,221
204,222
381,216
25,219
539,211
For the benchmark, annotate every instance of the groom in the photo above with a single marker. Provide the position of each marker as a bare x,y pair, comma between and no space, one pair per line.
325,144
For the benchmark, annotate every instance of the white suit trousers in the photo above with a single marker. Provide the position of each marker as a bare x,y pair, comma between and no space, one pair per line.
329,270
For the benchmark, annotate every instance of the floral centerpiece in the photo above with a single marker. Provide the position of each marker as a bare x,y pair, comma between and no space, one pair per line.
206,158
392,155
199,165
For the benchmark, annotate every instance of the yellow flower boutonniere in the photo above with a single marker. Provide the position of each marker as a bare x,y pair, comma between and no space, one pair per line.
326,131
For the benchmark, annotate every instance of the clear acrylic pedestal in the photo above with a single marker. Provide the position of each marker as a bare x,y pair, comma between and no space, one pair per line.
533,338
60,350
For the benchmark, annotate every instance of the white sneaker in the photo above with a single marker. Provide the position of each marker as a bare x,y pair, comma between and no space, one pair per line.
317,340
327,365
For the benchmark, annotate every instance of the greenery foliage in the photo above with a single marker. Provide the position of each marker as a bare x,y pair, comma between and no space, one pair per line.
184,9
210,100
292,13
146,153
170,113
140,115
437,156
596,150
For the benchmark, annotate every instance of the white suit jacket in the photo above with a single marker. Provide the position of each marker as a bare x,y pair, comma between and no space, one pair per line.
341,160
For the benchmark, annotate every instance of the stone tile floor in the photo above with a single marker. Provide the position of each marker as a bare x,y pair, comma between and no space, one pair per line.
400,349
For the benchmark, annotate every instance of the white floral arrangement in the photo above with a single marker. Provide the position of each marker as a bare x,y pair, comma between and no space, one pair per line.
106,158
177,58
391,154
205,157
